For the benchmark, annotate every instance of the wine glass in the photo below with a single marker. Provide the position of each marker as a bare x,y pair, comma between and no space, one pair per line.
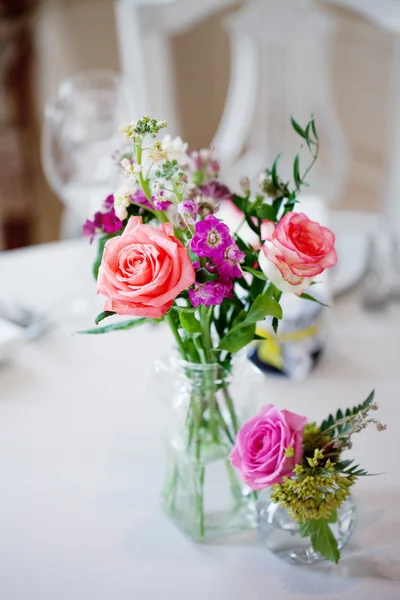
80,137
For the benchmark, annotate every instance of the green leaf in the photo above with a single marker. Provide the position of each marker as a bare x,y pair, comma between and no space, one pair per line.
121,326
308,297
266,211
314,129
274,175
100,249
324,542
333,517
237,338
202,276
189,322
322,538
104,315
330,421
262,307
239,202
296,171
275,324
243,327
255,272
297,128
308,139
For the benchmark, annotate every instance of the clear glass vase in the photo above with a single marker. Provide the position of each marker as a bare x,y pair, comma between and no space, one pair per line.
206,405
280,533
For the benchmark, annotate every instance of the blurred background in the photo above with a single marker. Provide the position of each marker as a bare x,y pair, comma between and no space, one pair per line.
221,72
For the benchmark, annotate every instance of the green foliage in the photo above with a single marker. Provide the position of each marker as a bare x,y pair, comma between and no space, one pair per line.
346,467
263,307
322,538
335,428
100,249
104,315
274,174
243,328
203,275
255,273
121,326
266,212
312,299
189,322
168,170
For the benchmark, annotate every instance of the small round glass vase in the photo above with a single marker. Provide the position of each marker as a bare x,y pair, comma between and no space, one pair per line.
280,533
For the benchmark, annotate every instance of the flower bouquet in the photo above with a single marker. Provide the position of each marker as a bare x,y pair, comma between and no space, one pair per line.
164,255
306,512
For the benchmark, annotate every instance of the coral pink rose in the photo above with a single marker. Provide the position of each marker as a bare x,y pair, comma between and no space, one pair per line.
295,251
259,451
144,270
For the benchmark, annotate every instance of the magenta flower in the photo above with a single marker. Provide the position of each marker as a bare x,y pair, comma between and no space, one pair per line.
211,239
89,229
230,265
140,198
102,222
109,202
160,202
188,209
110,222
210,293
216,190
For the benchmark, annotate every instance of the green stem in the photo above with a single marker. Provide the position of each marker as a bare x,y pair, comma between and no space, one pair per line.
177,337
205,317
144,184
231,410
200,504
224,425
235,487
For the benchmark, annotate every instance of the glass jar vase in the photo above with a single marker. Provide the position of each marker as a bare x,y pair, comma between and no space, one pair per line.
280,533
203,493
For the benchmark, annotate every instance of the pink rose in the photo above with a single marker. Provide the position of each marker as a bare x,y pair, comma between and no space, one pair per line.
295,251
259,451
143,270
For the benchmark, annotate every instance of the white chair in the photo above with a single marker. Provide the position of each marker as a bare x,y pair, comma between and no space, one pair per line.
144,28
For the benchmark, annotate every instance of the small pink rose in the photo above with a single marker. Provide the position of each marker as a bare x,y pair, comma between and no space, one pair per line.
295,251
143,270
259,451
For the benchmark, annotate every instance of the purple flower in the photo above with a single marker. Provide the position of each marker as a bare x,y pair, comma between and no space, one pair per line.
214,167
210,293
161,203
89,230
102,222
188,208
139,197
109,202
216,190
230,265
110,222
211,239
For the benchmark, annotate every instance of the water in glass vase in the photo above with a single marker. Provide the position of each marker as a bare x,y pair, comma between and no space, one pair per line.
280,533
203,494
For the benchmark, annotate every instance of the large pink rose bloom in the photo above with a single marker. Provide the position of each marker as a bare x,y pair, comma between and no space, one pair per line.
295,251
143,270
259,451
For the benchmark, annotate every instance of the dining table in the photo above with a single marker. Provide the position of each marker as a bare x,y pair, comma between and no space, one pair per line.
82,455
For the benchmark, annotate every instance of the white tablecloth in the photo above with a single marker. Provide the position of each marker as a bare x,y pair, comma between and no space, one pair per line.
81,461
